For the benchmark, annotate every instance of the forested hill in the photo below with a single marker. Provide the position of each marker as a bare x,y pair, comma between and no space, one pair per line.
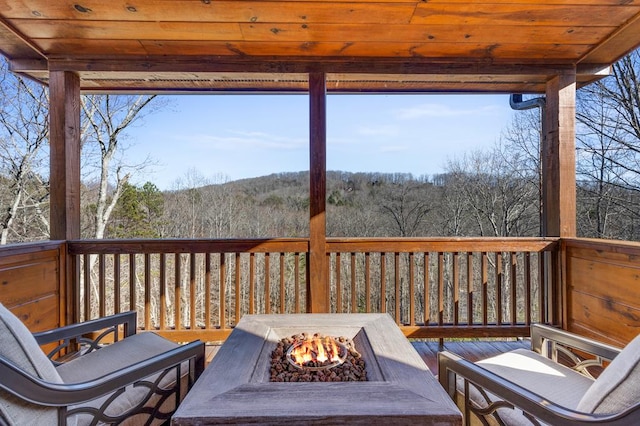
358,205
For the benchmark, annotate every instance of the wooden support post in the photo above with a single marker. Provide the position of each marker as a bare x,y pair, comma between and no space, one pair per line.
64,176
318,284
64,140
558,158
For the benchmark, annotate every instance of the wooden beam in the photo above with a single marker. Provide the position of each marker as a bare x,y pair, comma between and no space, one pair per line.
150,64
318,285
64,140
558,158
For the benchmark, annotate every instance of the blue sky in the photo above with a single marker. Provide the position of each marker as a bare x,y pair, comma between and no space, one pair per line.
229,137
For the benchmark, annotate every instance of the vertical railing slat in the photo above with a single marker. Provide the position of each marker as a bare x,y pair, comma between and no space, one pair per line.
252,283
223,291
267,284
163,291
499,283
177,296
527,287
238,308
354,300
283,308
470,288
102,286
412,288
440,288
297,282
147,291
383,282
116,283
485,288
542,289
338,275
456,288
207,290
514,288
427,291
87,286
367,282
133,293
192,291
396,267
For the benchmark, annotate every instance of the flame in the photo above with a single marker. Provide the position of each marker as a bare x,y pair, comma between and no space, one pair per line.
316,349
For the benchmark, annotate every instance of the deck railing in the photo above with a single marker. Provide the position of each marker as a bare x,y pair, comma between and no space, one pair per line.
190,289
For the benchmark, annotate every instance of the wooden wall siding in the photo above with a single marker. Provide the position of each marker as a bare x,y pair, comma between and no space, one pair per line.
31,283
602,289
200,289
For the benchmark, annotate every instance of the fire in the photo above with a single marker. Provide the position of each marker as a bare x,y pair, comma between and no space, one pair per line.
322,350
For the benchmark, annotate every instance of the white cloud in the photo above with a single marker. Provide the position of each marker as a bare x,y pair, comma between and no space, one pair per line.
244,140
442,111
378,130
393,148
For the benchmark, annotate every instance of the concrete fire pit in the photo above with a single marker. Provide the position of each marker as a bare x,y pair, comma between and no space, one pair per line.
235,387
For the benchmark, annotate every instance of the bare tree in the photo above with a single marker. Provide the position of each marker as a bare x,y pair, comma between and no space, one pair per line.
24,133
406,203
500,200
107,117
608,137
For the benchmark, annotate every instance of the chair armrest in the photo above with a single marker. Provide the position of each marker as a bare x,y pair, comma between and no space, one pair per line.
38,391
128,319
543,335
451,365
69,337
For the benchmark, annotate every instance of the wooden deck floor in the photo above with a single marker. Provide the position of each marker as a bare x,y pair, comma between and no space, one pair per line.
471,350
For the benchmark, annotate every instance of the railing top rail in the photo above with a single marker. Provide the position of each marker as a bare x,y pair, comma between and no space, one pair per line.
615,246
30,247
441,244
272,245
263,245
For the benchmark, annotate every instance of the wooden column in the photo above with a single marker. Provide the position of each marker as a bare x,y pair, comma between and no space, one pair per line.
318,286
64,169
558,158
64,141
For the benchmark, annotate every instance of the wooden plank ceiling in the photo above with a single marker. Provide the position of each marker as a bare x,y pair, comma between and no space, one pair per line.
394,45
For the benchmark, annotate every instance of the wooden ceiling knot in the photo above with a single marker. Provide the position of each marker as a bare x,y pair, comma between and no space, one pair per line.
80,8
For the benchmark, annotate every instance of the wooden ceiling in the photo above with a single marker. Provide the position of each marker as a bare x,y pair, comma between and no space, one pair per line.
242,45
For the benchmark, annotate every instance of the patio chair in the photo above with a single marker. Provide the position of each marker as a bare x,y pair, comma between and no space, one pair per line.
530,387
138,379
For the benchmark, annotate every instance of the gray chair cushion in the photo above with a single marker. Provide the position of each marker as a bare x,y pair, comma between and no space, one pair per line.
618,387
531,371
540,375
18,345
114,357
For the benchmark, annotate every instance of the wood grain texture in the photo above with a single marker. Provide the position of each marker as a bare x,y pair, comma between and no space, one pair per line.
603,289
318,285
64,142
558,158
551,32
30,283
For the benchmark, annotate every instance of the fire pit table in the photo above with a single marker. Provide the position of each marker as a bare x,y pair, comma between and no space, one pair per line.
236,386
